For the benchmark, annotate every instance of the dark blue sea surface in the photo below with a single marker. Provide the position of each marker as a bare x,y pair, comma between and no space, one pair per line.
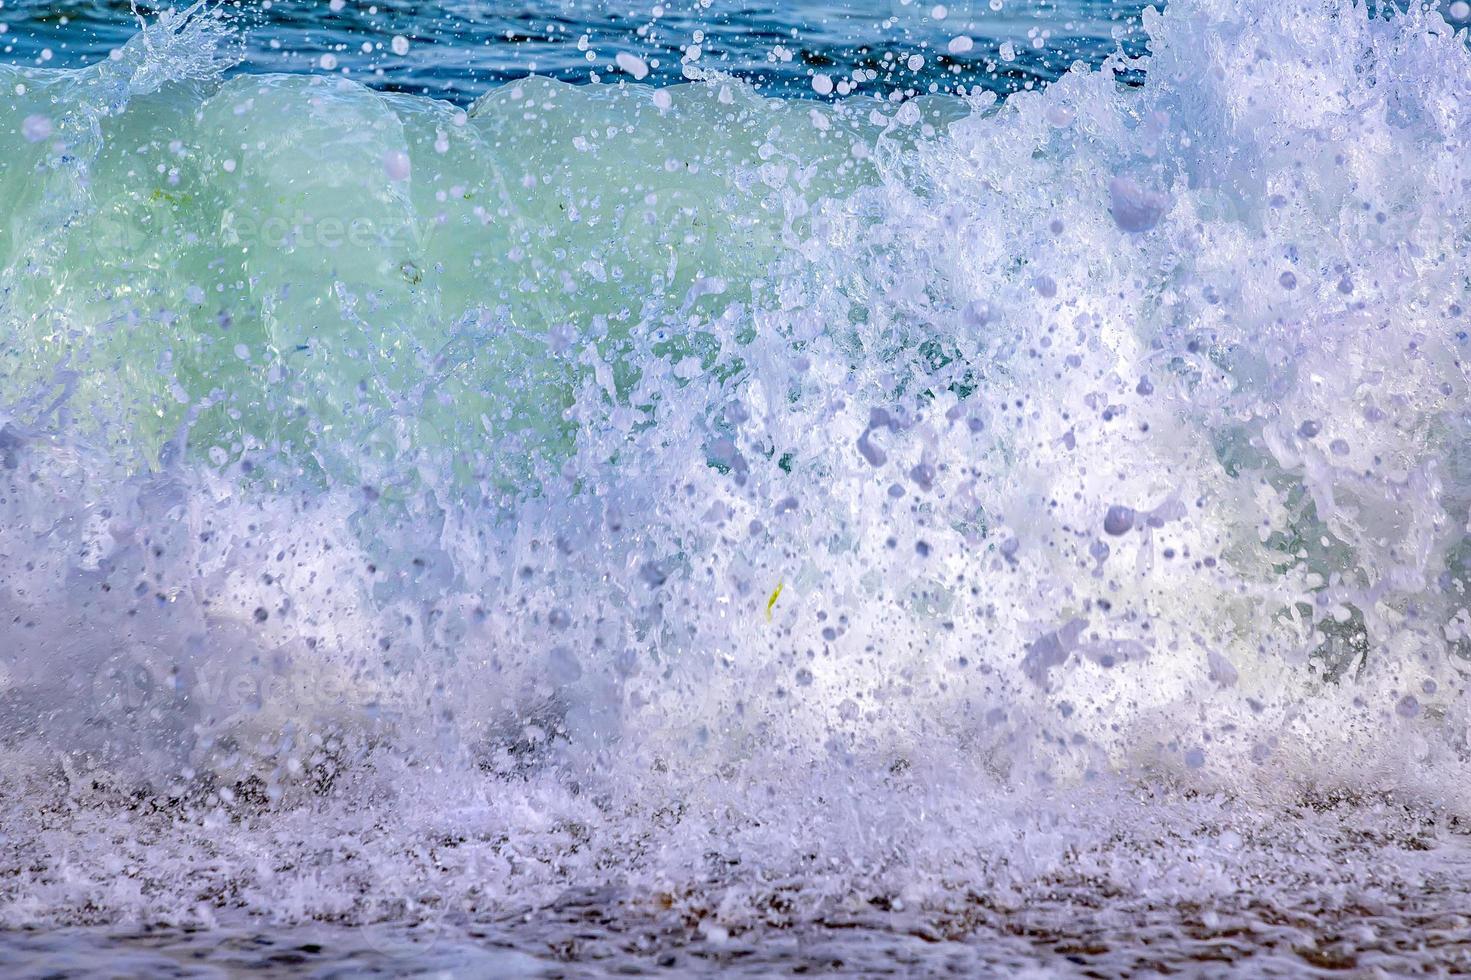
457,50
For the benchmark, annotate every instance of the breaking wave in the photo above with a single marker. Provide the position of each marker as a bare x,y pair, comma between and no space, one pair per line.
678,485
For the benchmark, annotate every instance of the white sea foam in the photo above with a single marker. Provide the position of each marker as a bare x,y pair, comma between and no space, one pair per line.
688,487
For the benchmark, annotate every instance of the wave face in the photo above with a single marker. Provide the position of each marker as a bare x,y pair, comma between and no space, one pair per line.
677,486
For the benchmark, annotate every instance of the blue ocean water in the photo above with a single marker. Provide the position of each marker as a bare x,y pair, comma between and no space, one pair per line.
457,50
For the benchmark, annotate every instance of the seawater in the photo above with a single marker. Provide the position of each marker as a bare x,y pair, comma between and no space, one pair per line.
626,525
457,50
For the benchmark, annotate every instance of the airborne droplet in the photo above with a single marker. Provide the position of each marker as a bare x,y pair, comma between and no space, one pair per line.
1118,520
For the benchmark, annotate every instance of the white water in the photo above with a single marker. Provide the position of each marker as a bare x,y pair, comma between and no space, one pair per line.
771,512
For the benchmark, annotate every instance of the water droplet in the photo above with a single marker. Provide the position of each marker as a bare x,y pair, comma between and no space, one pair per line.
1134,208
35,128
396,164
1119,520
632,64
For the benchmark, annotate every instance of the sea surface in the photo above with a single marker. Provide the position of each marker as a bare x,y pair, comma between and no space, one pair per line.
567,489
458,50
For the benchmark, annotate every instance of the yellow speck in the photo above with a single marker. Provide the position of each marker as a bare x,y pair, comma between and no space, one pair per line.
775,595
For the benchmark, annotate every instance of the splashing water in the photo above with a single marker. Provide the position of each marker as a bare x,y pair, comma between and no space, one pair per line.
908,515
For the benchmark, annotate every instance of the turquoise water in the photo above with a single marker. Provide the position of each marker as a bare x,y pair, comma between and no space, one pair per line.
652,519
